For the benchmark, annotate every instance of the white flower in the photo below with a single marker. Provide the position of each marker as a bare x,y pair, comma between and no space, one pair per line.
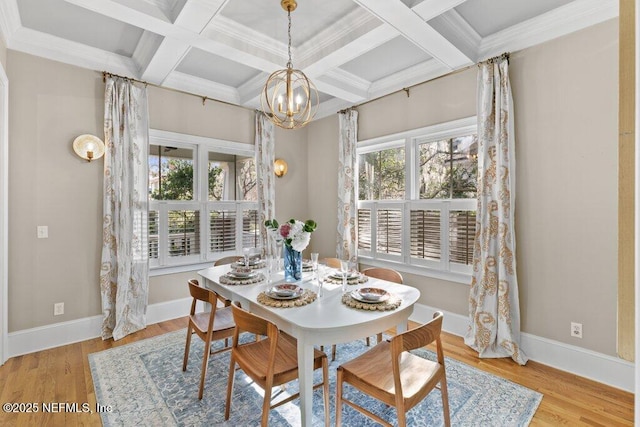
300,241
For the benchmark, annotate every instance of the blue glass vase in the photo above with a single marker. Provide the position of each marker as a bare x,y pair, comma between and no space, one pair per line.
292,264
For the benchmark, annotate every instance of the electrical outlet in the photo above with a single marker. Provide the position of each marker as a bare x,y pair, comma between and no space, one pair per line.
576,330
58,308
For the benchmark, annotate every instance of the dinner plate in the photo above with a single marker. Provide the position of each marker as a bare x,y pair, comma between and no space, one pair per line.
286,291
350,275
242,274
370,295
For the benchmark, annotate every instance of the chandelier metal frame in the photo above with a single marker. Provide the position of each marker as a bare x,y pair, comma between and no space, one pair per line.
289,98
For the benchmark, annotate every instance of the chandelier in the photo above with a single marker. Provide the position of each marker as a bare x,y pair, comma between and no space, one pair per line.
289,97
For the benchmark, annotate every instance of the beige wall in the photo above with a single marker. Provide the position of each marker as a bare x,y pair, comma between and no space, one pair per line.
565,95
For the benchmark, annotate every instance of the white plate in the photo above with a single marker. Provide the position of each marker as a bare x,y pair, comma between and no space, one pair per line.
370,295
287,291
242,275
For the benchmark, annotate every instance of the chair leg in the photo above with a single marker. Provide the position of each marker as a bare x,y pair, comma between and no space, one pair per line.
232,373
205,363
445,401
333,352
339,397
379,336
266,405
325,390
186,349
368,342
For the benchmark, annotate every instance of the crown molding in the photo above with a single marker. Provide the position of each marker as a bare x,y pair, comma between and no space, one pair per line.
200,86
249,37
418,73
146,48
351,27
459,28
558,22
9,20
69,52
248,90
330,107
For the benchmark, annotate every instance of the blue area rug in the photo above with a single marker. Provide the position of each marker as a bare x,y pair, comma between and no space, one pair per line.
144,385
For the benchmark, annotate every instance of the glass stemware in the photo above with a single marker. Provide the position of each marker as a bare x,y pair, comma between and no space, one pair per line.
314,265
320,268
344,269
246,252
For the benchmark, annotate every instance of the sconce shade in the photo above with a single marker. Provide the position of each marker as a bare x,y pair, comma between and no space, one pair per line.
280,168
88,147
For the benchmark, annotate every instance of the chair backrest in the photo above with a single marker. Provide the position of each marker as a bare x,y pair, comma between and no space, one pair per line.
419,337
227,260
332,262
384,274
249,322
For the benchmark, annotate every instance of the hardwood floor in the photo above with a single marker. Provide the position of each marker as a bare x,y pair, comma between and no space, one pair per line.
62,375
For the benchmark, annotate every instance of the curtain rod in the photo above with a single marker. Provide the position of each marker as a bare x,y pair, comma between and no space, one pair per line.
504,55
203,97
408,88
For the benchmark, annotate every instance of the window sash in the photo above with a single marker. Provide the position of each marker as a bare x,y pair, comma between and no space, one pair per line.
442,236
204,230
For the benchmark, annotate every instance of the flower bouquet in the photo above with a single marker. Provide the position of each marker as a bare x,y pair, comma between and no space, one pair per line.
295,236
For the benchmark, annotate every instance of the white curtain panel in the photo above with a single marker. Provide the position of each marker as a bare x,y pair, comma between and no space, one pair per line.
347,143
124,275
265,156
494,313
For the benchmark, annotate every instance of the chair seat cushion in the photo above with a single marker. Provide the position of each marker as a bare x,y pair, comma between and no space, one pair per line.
373,371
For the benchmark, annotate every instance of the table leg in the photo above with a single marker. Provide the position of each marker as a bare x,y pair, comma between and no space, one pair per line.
305,377
402,326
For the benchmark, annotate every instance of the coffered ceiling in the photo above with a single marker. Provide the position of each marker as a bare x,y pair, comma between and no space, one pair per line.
353,50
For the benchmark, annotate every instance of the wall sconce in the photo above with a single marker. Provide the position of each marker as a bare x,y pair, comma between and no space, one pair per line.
280,168
88,147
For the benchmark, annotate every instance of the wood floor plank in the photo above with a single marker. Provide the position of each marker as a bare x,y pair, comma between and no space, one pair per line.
63,374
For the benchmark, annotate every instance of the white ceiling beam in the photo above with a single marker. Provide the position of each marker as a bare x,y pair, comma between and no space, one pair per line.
429,9
200,86
9,19
194,16
416,30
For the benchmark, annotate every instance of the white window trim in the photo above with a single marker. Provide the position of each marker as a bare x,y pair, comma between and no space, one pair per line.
201,147
442,269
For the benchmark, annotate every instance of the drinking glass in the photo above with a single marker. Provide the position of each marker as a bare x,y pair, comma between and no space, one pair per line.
314,265
344,269
246,252
321,276
270,265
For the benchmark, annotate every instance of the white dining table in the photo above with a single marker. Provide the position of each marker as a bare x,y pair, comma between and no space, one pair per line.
324,321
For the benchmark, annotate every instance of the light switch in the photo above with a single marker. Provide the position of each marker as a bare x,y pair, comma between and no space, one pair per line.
43,232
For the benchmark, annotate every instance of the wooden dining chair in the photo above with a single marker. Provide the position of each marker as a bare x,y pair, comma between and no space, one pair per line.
387,274
227,260
208,325
331,262
270,362
389,373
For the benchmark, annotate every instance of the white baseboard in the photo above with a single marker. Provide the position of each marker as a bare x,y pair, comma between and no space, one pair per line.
63,333
579,361
599,367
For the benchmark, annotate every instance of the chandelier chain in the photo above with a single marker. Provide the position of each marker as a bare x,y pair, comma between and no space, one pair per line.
290,63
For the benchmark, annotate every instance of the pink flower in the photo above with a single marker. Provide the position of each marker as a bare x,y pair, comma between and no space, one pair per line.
284,230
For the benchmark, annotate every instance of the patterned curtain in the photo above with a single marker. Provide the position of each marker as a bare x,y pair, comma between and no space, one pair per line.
346,241
494,324
124,278
265,156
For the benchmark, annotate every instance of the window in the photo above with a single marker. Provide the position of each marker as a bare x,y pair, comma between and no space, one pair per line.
202,199
417,199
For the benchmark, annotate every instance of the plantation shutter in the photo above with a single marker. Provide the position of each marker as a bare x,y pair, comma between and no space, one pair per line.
364,229
425,234
222,227
250,228
389,231
462,231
